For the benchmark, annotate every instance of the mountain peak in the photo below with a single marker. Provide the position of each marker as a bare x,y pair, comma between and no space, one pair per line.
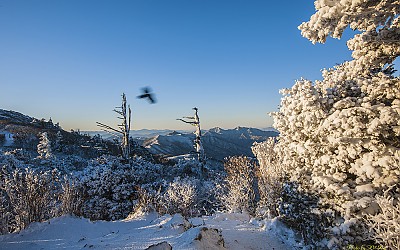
239,128
217,130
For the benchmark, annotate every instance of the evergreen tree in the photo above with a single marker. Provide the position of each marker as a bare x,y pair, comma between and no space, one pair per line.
44,147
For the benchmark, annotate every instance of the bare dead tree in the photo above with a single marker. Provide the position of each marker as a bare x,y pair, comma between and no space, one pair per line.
123,129
195,121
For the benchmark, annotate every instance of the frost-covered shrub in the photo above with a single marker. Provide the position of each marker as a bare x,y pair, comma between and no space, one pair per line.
11,160
186,168
147,172
110,185
28,196
270,178
208,193
71,197
240,185
188,195
180,196
6,213
386,225
21,155
159,184
301,210
108,189
147,201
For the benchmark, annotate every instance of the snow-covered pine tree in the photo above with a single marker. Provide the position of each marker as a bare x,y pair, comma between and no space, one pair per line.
340,137
44,147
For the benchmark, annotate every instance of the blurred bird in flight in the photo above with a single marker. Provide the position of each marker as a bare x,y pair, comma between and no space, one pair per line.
147,95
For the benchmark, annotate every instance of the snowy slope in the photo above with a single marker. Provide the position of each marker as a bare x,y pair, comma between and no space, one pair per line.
237,231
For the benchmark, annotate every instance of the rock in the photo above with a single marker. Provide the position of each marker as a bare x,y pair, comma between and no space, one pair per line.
160,246
209,238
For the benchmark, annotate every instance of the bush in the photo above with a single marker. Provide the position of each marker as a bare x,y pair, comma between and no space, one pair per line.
240,185
301,210
108,188
71,197
270,178
181,197
28,197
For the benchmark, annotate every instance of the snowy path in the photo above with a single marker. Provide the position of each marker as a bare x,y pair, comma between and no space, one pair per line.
239,233
75,233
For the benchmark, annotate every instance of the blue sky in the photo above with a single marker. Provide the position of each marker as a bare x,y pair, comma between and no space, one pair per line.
72,59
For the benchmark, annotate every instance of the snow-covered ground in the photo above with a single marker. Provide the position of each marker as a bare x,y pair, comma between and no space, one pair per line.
238,231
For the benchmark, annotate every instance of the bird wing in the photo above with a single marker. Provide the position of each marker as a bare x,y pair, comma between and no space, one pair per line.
151,98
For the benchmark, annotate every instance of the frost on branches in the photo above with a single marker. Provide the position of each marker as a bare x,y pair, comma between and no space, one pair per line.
44,147
240,184
180,196
378,21
386,224
269,178
340,137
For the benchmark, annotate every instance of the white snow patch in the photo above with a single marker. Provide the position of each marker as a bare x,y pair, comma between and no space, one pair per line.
238,232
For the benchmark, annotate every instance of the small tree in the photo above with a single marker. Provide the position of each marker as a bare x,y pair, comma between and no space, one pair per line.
195,121
124,128
44,147
240,183
270,178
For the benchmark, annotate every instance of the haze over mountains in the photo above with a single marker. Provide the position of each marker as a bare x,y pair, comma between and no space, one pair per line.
218,143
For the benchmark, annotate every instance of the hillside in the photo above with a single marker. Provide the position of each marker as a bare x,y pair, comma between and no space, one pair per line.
8,116
22,131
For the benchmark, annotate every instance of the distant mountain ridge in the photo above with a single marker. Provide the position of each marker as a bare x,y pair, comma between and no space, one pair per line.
218,143
137,134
